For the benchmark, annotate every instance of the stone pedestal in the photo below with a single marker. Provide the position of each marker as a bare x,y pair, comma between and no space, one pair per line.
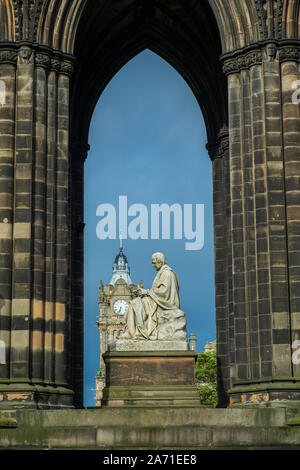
145,378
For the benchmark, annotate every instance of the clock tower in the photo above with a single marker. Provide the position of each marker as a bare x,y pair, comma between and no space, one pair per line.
113,305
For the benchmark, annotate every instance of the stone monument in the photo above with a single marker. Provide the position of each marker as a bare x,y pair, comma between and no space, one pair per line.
154,320
150,363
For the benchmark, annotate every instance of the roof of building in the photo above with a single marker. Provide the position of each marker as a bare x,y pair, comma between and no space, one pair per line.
121,268
210,346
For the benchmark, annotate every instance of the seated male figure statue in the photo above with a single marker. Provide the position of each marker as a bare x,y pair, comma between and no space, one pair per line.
157,306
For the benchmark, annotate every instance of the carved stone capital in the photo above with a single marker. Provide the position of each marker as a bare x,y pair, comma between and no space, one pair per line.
220,147
223,146
267,50
43,60
289,53
61,65
55,64
242,61
67,67
41,56
8,56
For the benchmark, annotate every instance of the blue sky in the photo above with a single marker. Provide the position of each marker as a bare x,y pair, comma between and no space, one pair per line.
147,139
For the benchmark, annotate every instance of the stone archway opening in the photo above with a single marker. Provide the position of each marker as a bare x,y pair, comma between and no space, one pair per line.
185,36
55,58
147,140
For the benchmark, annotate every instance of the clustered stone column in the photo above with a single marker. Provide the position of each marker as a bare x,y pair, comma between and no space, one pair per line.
34,226
219,154
78,154
264,146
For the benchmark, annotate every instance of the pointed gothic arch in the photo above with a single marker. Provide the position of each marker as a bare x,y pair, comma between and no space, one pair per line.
188,40
193,49
66,51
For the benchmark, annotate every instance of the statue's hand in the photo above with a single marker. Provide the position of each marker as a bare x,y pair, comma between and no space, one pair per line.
140,292
143,292
136,292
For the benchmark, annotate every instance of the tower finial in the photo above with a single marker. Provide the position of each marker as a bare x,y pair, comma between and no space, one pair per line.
120,267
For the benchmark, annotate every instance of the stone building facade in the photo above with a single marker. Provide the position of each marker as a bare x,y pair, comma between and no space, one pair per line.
241,59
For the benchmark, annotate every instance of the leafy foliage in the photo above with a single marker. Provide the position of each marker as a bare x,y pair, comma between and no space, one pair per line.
206,377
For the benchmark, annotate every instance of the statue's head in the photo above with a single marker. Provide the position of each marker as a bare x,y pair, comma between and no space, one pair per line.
158,260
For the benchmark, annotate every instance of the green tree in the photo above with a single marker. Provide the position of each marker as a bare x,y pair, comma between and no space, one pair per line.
206,377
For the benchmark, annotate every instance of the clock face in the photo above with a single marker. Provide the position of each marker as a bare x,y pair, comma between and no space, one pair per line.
120,307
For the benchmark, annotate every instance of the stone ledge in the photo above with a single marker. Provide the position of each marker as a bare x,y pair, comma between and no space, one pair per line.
6,422
166,353
151,428
148,345
152,417
29,395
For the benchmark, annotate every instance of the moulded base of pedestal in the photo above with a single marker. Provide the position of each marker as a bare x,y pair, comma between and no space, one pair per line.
273,391
32,396
184,395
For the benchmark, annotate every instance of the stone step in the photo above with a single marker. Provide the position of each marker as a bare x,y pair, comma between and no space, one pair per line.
150,416
158,438
158,402
150,428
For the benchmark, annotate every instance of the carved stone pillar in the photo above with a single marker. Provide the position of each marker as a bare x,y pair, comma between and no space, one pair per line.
78,154
34,227
219,154
265,217
8,64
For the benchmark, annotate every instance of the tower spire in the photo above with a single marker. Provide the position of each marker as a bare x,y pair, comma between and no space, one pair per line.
121,267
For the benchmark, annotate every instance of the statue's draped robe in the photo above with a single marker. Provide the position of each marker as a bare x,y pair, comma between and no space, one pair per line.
142,312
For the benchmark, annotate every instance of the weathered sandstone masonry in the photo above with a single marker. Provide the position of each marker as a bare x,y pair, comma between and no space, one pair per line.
241,59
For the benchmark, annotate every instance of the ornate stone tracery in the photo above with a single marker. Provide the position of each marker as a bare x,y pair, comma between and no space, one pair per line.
244,59
270,18
27,16
50,60
8,56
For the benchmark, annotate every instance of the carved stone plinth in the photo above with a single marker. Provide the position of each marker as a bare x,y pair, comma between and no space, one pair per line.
155,378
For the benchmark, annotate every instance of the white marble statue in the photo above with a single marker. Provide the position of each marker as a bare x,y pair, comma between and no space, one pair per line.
154,314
